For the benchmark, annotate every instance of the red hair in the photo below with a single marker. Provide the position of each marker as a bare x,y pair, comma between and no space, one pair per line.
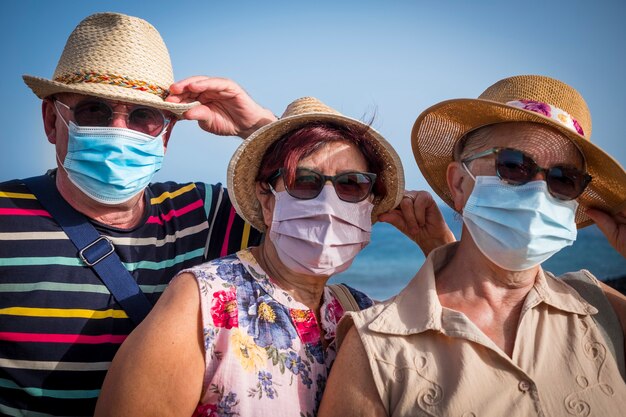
298,144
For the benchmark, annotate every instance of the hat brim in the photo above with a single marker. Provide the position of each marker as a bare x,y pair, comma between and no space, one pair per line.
438,128
43,88
245,164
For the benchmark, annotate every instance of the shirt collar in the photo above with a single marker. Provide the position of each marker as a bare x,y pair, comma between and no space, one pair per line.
417,308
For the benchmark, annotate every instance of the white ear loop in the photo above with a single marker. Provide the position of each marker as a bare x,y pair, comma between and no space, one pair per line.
468,171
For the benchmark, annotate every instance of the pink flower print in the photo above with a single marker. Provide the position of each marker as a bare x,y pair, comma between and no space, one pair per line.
224,309
335,311
206,410
306,325
578,127
537,107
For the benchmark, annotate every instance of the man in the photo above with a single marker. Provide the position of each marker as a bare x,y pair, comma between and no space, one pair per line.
109,111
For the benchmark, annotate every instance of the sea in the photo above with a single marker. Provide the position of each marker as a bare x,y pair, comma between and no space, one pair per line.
391,259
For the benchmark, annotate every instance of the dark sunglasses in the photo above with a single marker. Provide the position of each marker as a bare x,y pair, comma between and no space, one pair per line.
351,187
515,167
98,113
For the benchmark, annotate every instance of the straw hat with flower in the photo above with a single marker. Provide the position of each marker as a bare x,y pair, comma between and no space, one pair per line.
525,98
116,57
246,161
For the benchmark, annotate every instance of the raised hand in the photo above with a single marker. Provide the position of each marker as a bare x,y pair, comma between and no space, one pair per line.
613,227
224,109
419,218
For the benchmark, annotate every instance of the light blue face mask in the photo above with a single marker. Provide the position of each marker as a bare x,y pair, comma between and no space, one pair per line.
110,164
517,227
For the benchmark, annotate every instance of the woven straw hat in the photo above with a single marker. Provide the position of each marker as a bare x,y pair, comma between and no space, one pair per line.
117,57
245,163
525,98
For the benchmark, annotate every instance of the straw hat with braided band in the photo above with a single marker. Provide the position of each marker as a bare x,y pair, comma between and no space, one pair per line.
245,163
117,57
525,98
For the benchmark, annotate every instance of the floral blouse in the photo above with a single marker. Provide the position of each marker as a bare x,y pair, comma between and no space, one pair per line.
263,350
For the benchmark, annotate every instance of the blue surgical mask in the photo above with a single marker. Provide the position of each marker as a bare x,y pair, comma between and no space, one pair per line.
110,164
517,227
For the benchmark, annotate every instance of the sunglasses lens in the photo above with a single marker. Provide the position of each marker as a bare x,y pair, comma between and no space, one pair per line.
306,185
146,120
514,167
99,114
93,113
353,186
566,183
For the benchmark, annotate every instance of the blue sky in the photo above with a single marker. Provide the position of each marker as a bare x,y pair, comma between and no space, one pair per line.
391,58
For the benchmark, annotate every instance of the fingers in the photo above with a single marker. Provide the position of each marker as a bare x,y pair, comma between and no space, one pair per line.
407,208
604,221
211,87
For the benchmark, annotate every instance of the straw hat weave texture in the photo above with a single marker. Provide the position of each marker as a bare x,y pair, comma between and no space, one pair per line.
116,57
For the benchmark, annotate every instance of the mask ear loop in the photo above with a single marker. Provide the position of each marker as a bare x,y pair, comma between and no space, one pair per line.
468,171
55,101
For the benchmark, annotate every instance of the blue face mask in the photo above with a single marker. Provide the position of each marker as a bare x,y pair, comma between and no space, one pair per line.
517,227
110,164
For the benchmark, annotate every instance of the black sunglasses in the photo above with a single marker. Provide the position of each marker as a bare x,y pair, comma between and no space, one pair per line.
515,167
99,113
351,187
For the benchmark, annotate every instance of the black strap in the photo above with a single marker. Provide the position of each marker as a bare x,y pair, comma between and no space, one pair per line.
95,250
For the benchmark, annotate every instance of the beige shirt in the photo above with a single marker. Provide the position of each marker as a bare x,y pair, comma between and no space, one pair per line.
430,360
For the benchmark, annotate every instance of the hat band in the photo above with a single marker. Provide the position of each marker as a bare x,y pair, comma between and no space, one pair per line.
112,79
558,115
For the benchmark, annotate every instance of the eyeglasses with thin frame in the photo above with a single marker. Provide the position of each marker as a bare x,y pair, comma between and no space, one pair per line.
99,113
515,167
351,187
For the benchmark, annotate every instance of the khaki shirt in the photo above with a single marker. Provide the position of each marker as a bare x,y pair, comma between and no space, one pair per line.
430,360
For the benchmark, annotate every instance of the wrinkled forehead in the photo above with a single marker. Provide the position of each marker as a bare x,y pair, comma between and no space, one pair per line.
546,145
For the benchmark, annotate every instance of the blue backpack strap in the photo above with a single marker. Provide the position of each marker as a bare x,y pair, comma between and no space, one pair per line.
585,284
95,250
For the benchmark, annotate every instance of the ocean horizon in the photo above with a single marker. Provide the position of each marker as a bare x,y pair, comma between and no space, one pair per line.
391,259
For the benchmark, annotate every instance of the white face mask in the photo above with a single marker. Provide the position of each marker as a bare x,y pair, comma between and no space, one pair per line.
517,227
320,236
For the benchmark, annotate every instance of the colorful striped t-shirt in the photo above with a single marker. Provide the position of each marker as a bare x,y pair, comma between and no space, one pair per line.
59,325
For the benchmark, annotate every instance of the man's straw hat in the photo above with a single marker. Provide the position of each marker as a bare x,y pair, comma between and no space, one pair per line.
116,57
525,98
246,161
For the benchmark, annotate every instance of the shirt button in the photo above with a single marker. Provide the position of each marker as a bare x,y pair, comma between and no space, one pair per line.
524,386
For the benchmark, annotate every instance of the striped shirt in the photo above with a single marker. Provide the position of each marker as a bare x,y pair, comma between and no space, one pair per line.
59,325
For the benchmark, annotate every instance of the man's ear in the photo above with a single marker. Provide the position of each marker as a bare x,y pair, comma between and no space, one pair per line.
267,201
458,183
49,119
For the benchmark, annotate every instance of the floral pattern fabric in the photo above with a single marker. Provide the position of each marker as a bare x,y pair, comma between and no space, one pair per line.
263,350
549,111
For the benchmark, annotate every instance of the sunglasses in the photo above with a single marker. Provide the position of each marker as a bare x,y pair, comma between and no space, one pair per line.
517,168
351,187
98,113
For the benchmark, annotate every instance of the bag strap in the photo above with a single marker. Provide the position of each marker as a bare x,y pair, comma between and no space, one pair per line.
606,319
95,250
345,297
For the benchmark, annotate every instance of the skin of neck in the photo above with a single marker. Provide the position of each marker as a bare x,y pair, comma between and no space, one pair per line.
124,216
473,278
306,289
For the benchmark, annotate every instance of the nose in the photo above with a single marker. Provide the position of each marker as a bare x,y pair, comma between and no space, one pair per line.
120,116
540,175
118,120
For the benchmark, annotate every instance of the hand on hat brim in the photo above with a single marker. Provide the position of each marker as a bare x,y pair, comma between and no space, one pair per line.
613,227
224,107
419,218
